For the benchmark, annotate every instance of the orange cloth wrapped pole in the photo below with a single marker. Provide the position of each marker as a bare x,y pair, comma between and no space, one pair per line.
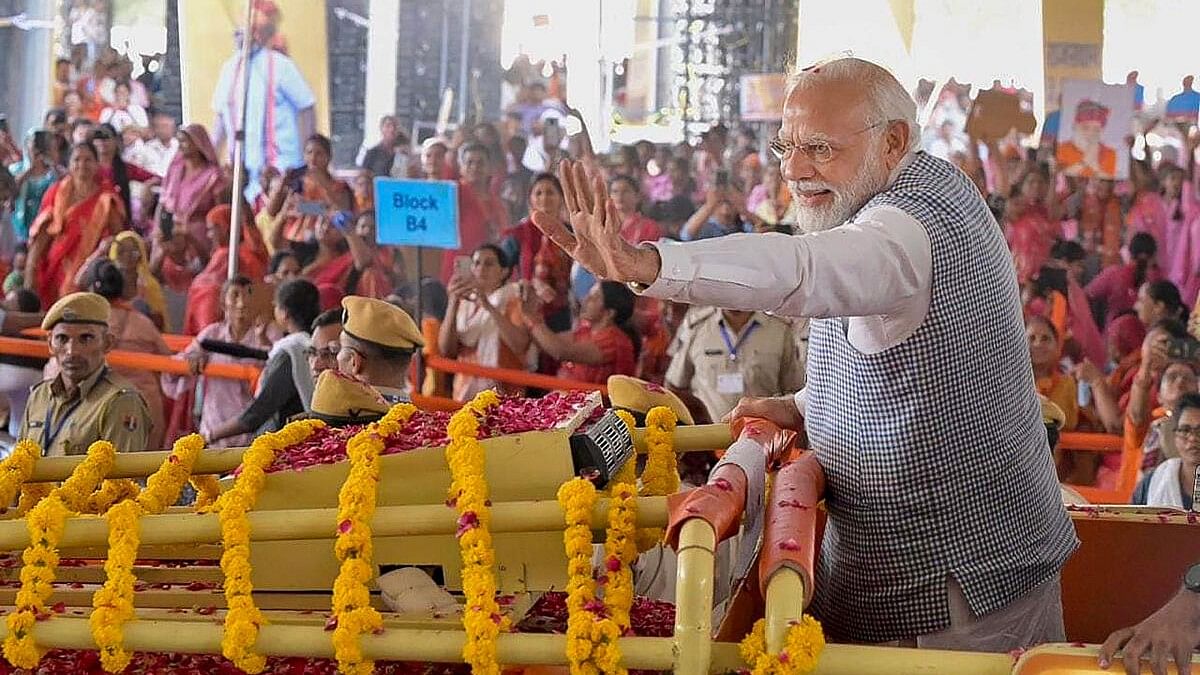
789,537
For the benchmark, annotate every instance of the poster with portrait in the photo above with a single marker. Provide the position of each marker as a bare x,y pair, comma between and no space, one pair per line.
1095,121
288,73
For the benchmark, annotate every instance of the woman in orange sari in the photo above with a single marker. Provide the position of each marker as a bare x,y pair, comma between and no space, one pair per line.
308,195
77,212
205,302
348,261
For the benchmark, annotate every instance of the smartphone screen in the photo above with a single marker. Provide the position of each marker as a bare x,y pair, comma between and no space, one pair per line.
307,208
462,266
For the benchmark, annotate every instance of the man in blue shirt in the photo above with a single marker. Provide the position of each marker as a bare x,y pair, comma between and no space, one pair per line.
279,104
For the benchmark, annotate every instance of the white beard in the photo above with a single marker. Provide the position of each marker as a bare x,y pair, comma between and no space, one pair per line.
870,181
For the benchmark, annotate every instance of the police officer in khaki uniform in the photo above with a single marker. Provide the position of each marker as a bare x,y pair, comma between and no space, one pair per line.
86,402
722,355
378,341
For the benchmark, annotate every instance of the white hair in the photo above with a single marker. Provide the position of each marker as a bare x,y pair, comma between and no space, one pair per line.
885,98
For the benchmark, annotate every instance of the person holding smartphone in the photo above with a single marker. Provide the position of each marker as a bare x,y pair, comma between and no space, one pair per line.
483,322
315,194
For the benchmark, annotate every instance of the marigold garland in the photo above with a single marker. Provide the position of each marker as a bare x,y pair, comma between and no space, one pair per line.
620,552
482,619
592,632
356,506
802,648
45,523
243,618
208,491
113,602
661,475
111,492
32,494
16,469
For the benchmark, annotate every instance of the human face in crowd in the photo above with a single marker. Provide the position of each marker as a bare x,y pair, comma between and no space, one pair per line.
327,234
1033,188
839,157
625,196
315,156
237,305
323,354
73,104
1177,379
164,127
387,130
1187,435
121,94
81,133
433,160
592,308
105,144
269,179
128,255
474,168
1104,189
83,164
363,183
187,149
1043,344
1149,311
1172,182
543,196
486,269
58,126
364,227
79,349
289,268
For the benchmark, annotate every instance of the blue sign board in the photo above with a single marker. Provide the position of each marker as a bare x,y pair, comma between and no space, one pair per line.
417,212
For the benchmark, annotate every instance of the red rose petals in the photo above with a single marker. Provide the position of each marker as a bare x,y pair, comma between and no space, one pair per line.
344,526
468,521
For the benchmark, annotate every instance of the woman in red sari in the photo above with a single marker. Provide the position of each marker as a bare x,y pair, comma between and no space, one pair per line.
1029,229
205,301
349,262
77,212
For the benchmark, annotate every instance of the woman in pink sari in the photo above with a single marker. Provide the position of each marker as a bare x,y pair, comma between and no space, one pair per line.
1181,248
193,184
77,212
1029,230
349,262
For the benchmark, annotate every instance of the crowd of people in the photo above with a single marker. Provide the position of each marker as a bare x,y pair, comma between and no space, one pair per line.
1109,270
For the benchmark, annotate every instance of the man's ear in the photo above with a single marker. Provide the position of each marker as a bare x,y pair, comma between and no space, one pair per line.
110,342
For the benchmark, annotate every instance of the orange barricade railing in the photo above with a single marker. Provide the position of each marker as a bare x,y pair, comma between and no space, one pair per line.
123,359
1081,441
517,377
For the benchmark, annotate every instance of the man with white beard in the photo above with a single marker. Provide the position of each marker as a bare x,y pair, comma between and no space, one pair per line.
946,528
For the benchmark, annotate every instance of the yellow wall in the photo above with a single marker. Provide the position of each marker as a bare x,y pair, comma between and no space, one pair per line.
1073,42
206,42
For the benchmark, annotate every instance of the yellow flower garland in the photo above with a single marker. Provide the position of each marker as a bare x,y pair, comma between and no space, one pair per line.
356,506
113,603
661,475
802,648
591,636
111,492
45,523
243,618
16,469
32,494
620,552
482,619
208,491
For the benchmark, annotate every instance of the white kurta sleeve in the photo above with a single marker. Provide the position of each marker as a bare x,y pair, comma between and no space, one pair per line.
879,264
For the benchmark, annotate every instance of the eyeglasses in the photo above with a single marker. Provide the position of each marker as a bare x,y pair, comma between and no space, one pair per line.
817,152
1187,431
330,354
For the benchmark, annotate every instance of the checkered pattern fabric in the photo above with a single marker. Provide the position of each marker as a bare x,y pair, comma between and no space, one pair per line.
934,450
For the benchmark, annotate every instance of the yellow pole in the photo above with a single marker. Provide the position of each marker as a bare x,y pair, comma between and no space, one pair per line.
691,439
194,636
136,464
295,524
784,604
693,598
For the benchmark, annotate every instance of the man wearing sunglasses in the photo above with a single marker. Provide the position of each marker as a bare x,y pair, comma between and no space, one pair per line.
946,526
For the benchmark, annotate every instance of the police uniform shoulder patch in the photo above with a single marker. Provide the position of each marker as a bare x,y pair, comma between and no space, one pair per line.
696,318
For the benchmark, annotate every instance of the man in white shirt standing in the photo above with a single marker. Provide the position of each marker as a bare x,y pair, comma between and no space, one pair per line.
946,527
162,148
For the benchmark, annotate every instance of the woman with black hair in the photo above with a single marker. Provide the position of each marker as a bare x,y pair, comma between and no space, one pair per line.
286,385
306,195
1157,301
602,344
115,170
483,321
1117,286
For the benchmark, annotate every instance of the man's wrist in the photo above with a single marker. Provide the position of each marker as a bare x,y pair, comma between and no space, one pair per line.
647,265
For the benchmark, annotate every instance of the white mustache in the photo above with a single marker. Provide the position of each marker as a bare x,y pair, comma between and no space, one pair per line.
811,186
